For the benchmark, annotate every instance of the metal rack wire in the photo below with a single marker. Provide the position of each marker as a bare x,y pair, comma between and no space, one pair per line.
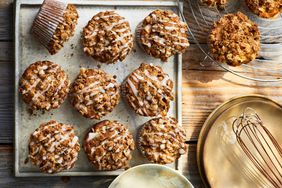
266,68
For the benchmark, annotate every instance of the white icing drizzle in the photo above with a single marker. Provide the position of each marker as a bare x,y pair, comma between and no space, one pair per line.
119,139
159,85
63,133
172,30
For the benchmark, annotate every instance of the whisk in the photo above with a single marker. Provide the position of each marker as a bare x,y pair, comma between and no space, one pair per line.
259,145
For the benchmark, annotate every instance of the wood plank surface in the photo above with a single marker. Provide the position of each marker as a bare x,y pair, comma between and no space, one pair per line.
205,86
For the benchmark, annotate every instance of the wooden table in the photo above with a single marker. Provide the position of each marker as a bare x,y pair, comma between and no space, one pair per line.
204,88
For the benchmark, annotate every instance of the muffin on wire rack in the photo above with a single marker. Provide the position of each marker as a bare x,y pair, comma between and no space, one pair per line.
94,93
53,147
54,24
234,40
265,8
162,140
162,34
149,90
44,85
107,37
220,4
108,145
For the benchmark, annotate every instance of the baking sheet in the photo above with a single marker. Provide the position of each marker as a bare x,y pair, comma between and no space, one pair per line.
221,162
72,58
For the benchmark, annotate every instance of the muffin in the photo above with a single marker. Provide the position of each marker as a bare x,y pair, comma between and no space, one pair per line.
162,140
94,93
53,147
149,90
107,37
54,24
214,3
162,34
44,85
108,145
234,40
265,8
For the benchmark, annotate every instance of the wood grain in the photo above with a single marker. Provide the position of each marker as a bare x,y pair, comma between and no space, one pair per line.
7,178
6,19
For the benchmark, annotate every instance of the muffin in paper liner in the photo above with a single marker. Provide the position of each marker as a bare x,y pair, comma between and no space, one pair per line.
162,140
107,37
53,147
44,85
162,34
265,8
148,90
54,24
108,145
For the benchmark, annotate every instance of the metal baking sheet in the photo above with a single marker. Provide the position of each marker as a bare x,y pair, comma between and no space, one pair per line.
71,58
219,160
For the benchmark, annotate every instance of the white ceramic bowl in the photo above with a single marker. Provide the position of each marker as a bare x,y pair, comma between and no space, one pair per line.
151,176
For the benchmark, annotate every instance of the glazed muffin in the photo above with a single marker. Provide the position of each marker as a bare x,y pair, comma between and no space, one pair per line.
162,140
107,37
53,147
162,34
149,90
94,93
44,85
108,145
265,8
54,24
220,4
234,40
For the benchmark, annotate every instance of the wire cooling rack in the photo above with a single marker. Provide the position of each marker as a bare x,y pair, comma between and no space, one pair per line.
268,65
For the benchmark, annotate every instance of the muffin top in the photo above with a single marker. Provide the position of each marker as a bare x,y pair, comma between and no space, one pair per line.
265,8
94,93
107,37
148,90
53,147
162,34
162,140
64,30
234,40
214,3
108,145
44,85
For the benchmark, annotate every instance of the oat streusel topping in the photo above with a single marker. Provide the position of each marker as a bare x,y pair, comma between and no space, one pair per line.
149,90
64,30
44,85
107,37
53,147
108,145
162,34
162,140
234,40
214,3
94,93
265,8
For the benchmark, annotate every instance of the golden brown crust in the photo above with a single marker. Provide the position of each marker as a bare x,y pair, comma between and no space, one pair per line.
64,30
265,8
234,40
107,37
162,140
94,93
108,145
162,34
214,3
53,147
44,85
149,90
